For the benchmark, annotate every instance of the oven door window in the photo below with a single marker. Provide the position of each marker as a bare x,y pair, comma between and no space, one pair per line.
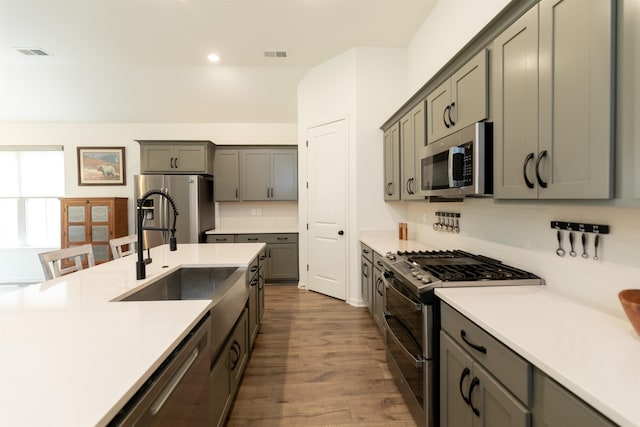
407,312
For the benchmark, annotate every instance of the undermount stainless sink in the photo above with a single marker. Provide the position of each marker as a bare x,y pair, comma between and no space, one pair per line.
189,283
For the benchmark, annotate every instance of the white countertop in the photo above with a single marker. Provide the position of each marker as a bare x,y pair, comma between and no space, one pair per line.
258,229
71,357
387,241
593,354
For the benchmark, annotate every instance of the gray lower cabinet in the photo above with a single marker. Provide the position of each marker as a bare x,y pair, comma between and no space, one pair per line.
366,275
555,406
178,157
554,122
221,238
471,396
485,383
227,371
377,296
281,256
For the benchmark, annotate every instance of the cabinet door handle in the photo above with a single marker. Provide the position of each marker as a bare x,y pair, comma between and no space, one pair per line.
524,170
542,155
236,356
252,238
282,238
365,270
474,383
176,162
476,347
444,119
465,374
236,193
453,104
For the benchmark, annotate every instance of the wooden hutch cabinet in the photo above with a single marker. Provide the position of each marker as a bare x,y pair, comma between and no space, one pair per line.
95,221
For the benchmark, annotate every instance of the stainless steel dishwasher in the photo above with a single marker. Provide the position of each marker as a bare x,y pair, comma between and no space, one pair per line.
178,391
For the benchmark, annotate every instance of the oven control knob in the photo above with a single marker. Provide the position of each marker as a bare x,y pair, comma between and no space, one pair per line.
426,280
419,276
414,273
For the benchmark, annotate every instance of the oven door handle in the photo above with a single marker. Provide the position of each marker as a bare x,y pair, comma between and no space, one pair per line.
411,304
417,362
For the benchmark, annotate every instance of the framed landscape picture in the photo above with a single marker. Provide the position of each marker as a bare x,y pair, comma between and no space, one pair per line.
101,166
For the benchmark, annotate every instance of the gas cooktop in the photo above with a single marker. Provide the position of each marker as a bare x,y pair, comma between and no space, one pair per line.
424,270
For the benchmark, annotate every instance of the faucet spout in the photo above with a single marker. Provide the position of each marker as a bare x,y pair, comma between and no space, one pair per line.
141,272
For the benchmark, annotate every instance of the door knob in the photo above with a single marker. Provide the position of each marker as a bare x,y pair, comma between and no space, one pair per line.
340,233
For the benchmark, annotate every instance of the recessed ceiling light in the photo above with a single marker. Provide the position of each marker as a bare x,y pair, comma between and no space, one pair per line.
213,57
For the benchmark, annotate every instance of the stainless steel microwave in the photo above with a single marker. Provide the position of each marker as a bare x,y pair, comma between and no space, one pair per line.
460,164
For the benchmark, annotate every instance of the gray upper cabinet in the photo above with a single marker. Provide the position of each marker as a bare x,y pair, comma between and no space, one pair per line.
515,104
460,101
412,138
392,163
269,174
177,157
556,143
227,176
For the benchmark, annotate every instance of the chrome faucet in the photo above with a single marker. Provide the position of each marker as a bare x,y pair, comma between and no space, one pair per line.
141,272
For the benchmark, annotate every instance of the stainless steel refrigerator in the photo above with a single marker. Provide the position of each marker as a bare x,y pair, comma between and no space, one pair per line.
193,196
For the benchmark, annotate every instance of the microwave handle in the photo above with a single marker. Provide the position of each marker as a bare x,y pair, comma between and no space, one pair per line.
454,151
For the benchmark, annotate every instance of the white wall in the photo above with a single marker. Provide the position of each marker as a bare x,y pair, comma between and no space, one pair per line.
73,135
450,25
363,86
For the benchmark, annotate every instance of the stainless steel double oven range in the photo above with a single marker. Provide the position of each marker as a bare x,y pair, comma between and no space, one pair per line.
412,315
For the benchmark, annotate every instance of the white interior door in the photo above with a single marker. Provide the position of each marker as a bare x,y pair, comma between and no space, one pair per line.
326,208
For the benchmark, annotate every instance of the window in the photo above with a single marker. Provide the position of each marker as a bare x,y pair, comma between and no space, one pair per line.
32,179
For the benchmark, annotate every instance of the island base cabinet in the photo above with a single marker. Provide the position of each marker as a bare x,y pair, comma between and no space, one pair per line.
227,371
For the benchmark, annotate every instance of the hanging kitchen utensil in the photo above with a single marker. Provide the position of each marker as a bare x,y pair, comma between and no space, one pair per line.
559,251
571,242
596,243
584,246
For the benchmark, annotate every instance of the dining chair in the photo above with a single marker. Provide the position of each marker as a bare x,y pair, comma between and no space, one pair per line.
118,244
52,260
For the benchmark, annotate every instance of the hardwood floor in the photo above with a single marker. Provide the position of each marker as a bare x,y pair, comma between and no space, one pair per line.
317,362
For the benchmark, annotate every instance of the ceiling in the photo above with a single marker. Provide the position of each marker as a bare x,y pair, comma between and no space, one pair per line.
146,60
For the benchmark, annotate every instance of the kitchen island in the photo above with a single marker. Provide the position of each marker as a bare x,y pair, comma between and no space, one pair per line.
72,355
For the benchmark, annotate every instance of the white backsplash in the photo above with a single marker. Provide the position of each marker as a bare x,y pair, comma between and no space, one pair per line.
235,215
519,234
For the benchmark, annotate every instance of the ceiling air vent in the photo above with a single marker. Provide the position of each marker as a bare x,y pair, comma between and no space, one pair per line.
32,51
275,54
